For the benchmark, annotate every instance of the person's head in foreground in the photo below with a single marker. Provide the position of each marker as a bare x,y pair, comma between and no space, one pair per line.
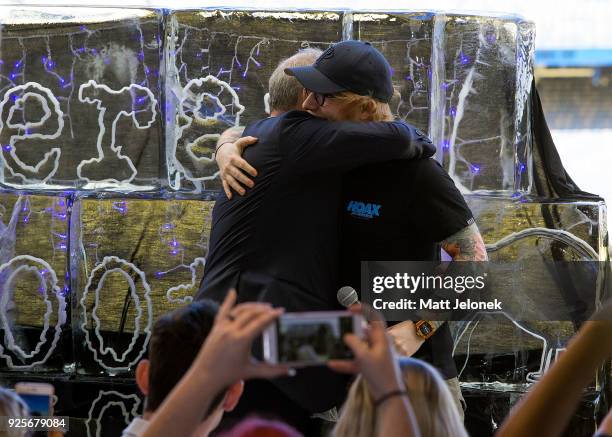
11,405
258,427
176,339
434,407
351,80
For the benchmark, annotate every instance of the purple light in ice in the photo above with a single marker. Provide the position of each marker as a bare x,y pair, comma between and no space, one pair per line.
464,59
475,169
7,147
120,206
521,168
452,111
445,144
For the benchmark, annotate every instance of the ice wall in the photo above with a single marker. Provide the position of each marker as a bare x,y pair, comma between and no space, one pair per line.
108,120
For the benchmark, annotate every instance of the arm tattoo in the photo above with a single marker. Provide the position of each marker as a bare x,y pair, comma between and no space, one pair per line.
466,245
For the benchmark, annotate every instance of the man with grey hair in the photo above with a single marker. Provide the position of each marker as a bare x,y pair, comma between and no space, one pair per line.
285,94
279,244
408,224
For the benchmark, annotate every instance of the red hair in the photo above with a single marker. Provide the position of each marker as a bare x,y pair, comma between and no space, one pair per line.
258,427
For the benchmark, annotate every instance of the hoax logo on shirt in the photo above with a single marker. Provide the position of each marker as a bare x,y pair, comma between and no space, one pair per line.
363,210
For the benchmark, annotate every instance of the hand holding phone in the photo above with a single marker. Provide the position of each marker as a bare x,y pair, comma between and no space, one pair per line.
310,338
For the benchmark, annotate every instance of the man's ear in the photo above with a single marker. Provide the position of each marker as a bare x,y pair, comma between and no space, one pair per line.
142,376
367,110
232,396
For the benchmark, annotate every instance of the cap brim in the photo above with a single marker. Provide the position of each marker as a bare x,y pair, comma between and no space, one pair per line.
313,80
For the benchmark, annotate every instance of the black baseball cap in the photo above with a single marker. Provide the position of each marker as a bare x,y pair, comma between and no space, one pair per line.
348,66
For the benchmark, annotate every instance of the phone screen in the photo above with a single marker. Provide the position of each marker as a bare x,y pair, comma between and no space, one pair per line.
313,339
38,404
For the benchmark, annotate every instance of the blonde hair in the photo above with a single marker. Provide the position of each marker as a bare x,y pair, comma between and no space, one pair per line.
12,405
363,108
431,400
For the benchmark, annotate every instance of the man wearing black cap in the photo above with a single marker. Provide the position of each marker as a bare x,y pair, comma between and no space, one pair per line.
396,210
279,242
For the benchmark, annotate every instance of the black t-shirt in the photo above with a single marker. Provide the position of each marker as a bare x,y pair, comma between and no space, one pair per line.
279,242
400,211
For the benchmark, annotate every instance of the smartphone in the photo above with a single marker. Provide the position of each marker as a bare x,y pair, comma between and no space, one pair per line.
310,338
37,396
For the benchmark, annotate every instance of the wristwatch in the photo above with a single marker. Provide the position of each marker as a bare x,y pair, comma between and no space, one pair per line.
425,328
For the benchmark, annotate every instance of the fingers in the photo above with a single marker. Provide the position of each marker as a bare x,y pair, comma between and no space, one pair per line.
245,142
378,332
260,321
355,344
250,310
227,305
343,366
234,184
247,307
244,165
226,189
235,170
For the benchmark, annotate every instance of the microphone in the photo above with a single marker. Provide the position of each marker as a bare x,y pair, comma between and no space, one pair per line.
347,296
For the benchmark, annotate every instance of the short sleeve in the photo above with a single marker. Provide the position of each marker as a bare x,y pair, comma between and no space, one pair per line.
439,209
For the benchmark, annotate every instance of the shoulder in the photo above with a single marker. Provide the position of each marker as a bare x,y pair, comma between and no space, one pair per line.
296,116
429,172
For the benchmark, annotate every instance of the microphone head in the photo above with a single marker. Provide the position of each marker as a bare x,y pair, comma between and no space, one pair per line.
347,296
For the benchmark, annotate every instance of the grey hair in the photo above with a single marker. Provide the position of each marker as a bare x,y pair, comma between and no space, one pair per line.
284,89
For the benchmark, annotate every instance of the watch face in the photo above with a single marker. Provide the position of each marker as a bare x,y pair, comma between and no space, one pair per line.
425,328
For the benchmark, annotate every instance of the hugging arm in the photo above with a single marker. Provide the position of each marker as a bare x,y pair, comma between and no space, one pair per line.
317,145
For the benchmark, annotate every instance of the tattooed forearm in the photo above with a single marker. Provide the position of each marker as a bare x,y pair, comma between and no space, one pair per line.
466,245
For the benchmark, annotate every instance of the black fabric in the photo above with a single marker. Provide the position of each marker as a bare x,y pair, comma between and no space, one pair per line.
412,206
550,178
348,66
279,242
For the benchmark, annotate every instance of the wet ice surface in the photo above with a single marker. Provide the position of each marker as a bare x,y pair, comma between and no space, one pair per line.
80,99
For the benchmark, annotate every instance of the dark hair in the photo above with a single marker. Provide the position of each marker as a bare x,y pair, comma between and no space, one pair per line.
176,339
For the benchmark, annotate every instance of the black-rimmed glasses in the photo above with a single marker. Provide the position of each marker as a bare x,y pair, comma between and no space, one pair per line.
320,98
